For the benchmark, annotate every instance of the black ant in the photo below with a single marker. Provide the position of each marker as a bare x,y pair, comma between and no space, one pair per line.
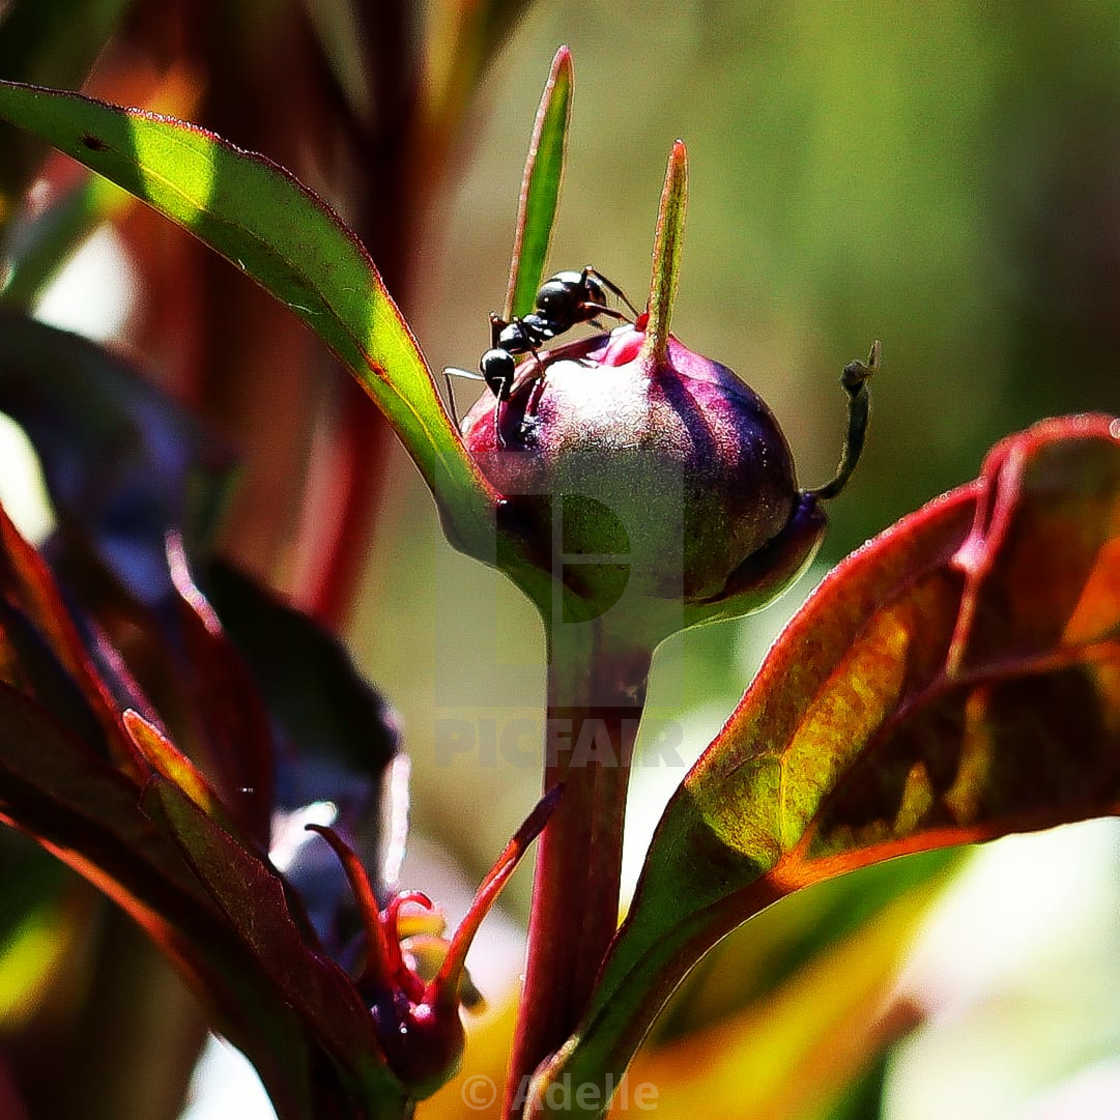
562,301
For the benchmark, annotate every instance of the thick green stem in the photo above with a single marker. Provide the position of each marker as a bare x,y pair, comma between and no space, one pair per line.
596,689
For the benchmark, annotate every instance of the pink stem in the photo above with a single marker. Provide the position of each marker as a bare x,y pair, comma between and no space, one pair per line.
595,697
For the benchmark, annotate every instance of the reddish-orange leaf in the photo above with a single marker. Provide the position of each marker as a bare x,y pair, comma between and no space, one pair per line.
955,680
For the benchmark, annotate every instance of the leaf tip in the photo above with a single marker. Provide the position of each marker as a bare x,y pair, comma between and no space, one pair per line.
133,720
562,61
667,246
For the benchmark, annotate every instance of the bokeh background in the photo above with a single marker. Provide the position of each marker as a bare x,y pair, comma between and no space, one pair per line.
945,177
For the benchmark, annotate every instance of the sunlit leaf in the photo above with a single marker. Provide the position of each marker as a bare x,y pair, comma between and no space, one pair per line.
955,680
540,188
167,760
785,1056
275,229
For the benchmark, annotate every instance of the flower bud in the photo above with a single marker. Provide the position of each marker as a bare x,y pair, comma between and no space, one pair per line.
674,482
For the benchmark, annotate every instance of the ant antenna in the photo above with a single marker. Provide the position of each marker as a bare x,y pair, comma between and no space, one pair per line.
451,397
610,285
448,372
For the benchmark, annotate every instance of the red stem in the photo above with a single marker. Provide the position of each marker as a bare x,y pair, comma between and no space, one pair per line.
595,696
383,952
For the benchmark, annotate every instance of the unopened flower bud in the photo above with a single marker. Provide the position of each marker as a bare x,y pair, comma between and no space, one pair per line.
674,481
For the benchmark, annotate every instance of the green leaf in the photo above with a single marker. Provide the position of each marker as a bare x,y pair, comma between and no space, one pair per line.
260,217
540,188
35,251
785,1055
667,246
955,680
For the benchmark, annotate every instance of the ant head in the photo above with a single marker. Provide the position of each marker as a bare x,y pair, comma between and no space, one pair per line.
498,367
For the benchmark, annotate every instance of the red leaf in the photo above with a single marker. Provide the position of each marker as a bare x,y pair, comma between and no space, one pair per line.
27,584
956,679
251,895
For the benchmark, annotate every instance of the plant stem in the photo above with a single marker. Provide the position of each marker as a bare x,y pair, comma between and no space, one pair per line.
596,690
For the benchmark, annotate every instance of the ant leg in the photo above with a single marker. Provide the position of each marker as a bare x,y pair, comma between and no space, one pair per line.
602,309
538,388
499,441
610,285
854,379
503,394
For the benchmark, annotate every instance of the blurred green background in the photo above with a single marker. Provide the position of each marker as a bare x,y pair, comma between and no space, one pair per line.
945,177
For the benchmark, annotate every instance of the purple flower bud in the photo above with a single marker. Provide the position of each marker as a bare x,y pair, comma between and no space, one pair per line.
674,476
